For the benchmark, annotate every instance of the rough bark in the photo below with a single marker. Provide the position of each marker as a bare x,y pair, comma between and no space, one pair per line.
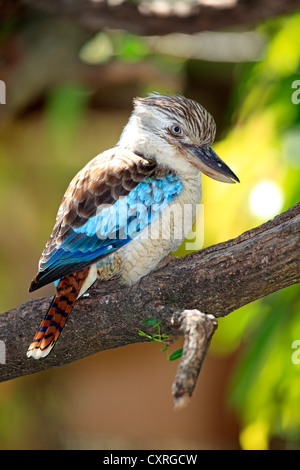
216,281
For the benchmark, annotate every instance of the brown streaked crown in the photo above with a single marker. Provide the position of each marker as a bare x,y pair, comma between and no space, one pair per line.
186,111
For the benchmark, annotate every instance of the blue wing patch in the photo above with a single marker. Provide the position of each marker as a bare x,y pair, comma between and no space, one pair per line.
113,226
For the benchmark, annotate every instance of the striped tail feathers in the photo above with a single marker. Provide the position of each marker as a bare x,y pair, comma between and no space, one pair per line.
67,292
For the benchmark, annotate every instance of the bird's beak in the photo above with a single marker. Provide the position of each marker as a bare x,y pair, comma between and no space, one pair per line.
211,165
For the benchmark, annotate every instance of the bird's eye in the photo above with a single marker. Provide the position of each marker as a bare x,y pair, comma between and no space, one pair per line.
176,130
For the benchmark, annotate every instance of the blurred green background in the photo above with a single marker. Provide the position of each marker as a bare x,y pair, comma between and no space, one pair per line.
68,98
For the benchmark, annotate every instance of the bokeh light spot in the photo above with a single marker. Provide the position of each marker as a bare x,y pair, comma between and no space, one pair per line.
266,199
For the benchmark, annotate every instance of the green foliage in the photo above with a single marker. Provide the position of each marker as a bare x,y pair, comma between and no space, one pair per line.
267,371
160,337
105,46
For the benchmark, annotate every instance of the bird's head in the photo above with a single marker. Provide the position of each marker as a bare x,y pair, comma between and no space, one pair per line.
177,132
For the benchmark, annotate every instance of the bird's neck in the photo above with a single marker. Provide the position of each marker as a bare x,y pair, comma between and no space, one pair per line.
138,139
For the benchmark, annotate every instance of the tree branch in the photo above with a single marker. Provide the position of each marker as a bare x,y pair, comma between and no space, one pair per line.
216,280
163,18
198,329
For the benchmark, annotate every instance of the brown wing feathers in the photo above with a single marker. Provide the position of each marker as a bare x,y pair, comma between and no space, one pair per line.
101,181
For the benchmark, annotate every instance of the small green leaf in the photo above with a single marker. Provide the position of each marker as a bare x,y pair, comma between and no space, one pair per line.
142,333
176,355
151,321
